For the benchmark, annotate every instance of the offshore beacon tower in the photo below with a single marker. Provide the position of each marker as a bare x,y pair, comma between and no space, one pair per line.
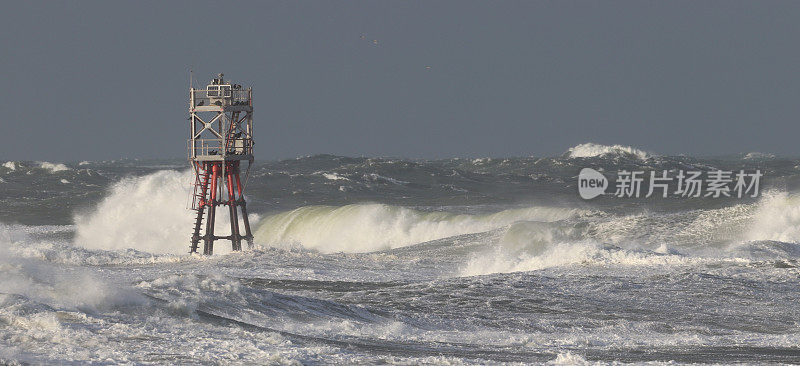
220,138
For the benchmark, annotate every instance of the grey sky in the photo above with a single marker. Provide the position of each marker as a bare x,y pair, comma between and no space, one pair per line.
100,80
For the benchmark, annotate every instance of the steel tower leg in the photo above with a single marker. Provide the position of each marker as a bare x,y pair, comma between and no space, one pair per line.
236,241
248,235
214,181
208,248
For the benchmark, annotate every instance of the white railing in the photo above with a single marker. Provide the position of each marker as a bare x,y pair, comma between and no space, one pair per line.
201,97
205,147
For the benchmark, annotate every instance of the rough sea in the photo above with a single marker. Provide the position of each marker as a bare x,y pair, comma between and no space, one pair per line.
362,260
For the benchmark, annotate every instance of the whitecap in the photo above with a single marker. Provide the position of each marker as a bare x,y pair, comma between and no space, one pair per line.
590,149
57,167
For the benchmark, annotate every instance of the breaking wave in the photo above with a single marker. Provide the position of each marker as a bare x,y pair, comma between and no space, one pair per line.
529,246
37,243
144,213
148,213
372,227
590,150
24,275
766,231
777,218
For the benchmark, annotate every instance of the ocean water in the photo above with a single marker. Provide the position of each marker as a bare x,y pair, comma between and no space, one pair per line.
396,261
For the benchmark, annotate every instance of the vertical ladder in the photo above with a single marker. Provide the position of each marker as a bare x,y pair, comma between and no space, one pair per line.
229,138
199,204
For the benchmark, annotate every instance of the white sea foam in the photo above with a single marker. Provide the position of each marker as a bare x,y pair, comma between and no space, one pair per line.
61,289
379,178
777,218
589,150
53,314
755,155
53,167
48,284
568,358
587,252
10,165
735,233
371,227
768,230
333,176
145,213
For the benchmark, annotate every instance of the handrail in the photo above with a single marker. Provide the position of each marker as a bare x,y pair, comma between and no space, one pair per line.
240,146
236,95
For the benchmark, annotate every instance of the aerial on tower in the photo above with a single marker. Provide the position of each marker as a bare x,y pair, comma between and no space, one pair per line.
220,138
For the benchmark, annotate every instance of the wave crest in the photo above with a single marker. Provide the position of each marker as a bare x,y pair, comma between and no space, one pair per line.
530,246
371,227
590,150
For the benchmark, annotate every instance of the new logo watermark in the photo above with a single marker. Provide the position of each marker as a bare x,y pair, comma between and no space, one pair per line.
591,183
692,183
